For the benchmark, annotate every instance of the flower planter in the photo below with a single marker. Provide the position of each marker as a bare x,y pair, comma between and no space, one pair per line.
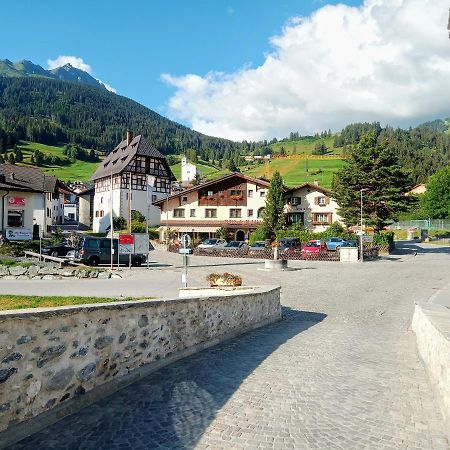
226,279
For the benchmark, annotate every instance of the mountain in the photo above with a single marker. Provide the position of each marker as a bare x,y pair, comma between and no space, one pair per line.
438,125
67,72
50,111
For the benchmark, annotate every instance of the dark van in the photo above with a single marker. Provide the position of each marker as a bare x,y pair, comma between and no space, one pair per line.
94,251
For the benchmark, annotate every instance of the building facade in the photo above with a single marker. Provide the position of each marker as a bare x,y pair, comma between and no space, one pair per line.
312,206
29,202
188,170
121,181
235,202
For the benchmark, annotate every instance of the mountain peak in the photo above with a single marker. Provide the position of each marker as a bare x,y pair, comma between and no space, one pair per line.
67,72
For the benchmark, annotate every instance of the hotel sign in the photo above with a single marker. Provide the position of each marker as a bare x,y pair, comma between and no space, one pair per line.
18,234
16,201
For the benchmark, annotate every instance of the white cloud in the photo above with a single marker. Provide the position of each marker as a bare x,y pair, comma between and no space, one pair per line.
74,61
78,63
387,60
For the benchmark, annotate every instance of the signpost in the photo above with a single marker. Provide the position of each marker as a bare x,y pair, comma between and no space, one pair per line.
126,245
186,241
18,234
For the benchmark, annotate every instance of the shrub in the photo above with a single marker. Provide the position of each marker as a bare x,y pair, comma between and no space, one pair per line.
119,223
153,233
138,227
18,248
225,279
57,236
137,216
258,235
384,239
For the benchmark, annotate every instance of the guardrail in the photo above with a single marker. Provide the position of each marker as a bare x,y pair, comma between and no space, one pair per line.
61,261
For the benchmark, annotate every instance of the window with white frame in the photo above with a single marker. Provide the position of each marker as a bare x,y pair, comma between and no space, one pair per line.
210,213
178,212
262,193
294,201
192,213
249,212
235,213
322,217
250,193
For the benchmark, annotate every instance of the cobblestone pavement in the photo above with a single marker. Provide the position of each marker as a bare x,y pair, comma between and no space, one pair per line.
340,371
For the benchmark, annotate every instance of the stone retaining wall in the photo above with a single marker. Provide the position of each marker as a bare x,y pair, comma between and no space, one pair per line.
50,272
431,323
53,357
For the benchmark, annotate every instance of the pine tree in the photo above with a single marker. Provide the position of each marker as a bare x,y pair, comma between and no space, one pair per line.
373,167
11,158
2,160
18,155
274,218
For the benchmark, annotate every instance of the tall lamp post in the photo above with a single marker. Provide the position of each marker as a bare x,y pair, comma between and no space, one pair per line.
361,231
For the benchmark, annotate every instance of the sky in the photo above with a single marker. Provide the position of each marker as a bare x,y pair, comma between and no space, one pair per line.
250,69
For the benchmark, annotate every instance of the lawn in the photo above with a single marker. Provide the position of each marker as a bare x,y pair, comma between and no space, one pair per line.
8,302
294,171
306,146
79,170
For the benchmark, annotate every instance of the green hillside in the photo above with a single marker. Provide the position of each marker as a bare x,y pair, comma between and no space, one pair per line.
305,145
294,172
79,170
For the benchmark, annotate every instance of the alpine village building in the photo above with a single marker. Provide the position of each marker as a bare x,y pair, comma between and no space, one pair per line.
132,161
237,202
31,202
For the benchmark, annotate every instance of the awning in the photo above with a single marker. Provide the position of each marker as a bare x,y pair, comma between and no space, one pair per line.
189,229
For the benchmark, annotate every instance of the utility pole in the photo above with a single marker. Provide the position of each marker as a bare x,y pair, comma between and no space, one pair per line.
111,228
361,233
129,215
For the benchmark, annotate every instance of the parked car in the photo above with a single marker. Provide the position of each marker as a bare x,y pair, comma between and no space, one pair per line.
314,248
350,243
213,242
60,249
235,245
258,245
70,254
94,251
335,243
289,243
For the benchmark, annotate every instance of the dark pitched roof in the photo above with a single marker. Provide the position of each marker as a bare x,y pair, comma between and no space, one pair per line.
313,187
258,181
21,178
121,156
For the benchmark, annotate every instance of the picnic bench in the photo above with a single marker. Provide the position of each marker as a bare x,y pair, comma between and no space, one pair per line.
61,261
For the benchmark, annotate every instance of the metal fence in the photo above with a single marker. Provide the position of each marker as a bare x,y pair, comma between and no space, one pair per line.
428,224
370,253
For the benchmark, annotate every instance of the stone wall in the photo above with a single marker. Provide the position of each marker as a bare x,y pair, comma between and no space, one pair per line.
431,323
52,357
52,272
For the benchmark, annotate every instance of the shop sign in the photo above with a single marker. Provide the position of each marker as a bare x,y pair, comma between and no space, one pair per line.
16,201
18,234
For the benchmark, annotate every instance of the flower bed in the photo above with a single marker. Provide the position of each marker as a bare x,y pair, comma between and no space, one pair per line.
225,279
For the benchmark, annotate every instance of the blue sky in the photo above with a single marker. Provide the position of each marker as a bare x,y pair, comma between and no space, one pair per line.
250,69
130,44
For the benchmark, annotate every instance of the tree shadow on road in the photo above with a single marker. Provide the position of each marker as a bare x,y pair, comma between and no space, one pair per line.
416,248
172,407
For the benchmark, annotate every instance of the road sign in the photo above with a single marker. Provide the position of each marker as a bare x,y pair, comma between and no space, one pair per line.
185,251
367,238
186,240
141,243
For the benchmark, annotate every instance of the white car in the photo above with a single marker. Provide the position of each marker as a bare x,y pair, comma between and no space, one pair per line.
214,242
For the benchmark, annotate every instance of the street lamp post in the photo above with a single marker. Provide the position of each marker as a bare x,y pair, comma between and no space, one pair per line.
361,230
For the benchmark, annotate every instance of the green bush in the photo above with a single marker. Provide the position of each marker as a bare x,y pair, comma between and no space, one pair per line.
384,239
57,236
153,233
18,248
138,227
137,216
119,223
258,235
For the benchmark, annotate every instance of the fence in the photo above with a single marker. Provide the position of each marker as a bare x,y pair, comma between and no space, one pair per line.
428,224
267,253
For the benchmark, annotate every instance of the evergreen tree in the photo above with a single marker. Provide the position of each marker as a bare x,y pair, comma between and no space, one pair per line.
11,158
2,160
374,168
435,203
18,155
320,148
274,218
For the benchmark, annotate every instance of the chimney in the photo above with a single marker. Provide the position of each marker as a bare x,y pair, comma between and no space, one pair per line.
316,182
129,137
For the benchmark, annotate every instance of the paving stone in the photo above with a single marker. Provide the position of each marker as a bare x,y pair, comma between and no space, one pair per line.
340,371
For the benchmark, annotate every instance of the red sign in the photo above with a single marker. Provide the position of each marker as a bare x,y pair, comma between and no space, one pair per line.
16,201
125,239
